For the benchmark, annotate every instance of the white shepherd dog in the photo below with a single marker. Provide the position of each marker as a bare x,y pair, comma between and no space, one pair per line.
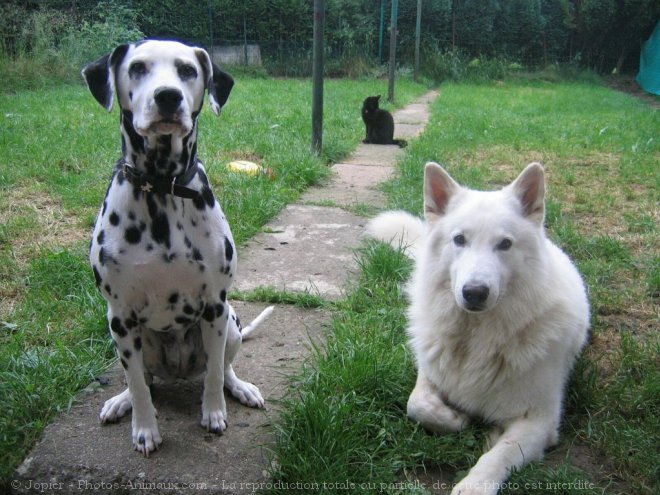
498,315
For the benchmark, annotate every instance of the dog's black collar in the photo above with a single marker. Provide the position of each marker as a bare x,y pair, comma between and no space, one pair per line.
152,184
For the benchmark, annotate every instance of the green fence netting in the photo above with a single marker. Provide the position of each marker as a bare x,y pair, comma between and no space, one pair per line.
649,63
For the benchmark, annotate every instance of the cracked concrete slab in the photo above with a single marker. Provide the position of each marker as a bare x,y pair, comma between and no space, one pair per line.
305,248
416,113
352,185
407,131
375,154
414,116
428,97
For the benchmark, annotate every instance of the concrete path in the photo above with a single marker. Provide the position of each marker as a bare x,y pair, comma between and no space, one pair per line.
308,247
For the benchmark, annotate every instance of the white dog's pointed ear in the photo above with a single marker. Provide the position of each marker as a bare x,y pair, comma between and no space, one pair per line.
100,76
218,82
439,187
529,188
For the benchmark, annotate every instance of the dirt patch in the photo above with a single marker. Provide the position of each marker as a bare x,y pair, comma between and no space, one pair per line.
31,221
592,188
603,349
436,480
506,160
627,84
35,220
597,467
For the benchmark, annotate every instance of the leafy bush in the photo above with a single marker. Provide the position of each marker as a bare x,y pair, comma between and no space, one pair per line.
441,65
34,58
52,46
455,65
113,24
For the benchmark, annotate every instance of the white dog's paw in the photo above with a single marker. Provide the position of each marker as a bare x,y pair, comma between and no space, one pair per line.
435,415
146,439
116,407
453,420
214,421
247,393
474,486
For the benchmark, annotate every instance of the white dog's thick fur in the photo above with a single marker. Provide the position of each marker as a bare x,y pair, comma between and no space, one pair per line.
497,317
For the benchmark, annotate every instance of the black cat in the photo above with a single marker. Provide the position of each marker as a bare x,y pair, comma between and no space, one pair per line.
379,123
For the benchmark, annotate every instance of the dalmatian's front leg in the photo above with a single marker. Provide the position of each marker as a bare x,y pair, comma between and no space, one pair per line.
214,335
146,437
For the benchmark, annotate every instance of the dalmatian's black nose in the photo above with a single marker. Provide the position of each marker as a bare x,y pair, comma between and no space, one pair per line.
168,100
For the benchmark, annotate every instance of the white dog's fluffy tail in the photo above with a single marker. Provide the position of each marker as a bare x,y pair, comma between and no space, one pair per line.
399,229
252,326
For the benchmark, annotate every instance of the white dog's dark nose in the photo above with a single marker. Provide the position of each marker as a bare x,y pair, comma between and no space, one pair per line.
168,100
475,296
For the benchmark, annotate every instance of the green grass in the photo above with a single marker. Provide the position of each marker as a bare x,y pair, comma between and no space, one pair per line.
57,149
345,417
273,295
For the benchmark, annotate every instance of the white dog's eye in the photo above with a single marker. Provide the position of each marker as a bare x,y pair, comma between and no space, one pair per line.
137,69
459,240
505,244
187,72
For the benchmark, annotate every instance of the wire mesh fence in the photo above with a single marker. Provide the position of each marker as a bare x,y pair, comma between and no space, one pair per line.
278,33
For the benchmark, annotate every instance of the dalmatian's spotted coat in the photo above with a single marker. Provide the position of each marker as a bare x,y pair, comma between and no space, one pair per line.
162,251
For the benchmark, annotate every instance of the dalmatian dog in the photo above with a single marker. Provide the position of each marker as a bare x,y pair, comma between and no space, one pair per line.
162,251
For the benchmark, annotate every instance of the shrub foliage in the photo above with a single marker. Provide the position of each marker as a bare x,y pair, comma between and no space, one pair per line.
602,35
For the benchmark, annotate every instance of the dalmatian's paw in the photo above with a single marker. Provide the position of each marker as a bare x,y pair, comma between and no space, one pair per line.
146,439
116,407
246,393
214,421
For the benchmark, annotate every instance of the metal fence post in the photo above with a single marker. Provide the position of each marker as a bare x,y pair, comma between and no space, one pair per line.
381,24
390,87
418,30
211,50
317,77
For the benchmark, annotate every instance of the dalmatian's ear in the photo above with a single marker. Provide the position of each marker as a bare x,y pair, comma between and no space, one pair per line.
218,82
100,76
219,88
